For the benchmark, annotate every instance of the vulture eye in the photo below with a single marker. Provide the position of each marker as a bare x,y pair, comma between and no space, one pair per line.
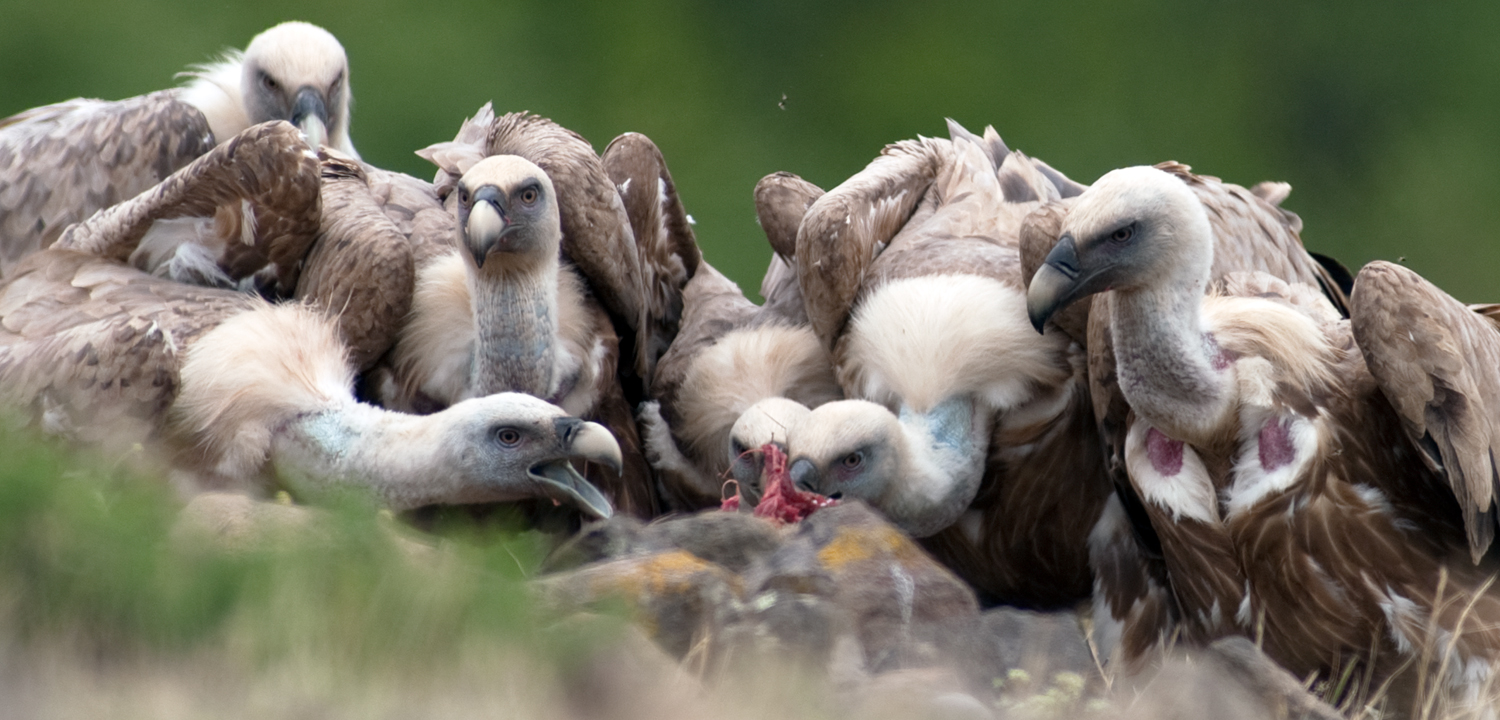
268,81
508,437
738,448
1122,235
852,461
529,195
463,194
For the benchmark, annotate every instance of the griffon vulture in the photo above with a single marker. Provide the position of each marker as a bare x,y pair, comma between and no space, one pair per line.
1319,483
541,284
964,428
61,163
738,375
239,391
1134,609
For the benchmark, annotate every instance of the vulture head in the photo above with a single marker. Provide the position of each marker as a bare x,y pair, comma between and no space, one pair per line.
507,214
768,421
1136,228
860,449
516,447
298,72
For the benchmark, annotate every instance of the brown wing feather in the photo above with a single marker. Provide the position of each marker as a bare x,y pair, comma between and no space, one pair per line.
268,167
633,491
92,348
663,236
1439,365
360,269
61,163
847,228
781,201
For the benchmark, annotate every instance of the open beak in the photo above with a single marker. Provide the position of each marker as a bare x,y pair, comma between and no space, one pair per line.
486,224
310,115
1058,282
586,441
592,442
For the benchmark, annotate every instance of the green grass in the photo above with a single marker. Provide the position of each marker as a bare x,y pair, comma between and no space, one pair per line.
97,589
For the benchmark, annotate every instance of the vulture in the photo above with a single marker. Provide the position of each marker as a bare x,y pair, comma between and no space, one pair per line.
549,277
60,163
1324,484
1134,609
961,425
738,375
241,393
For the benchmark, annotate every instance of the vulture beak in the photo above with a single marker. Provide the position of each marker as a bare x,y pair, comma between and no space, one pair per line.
310,116
486,224
804,475
587,441
748,469
1059,281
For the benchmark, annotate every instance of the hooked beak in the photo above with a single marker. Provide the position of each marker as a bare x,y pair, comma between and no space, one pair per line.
748,469
804,475
486,224
1058,282
310,115
559,481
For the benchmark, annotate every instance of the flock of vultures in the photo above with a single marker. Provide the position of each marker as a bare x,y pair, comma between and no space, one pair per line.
1142,393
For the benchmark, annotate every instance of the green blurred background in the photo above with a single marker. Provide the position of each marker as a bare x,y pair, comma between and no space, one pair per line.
1380,114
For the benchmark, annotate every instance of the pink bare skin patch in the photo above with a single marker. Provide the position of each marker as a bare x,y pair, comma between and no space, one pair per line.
1276,448
1165,453
1221,358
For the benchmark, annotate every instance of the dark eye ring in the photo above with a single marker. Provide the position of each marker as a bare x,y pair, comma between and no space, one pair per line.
853,460
509,437
528,195
463,195
269,82
1123,234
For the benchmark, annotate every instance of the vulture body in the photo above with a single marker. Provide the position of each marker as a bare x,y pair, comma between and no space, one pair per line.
561,300
241,393
61,163
1325,485
738,375
963,426
1134,605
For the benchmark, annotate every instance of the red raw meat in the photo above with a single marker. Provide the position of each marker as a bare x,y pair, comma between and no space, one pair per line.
782,502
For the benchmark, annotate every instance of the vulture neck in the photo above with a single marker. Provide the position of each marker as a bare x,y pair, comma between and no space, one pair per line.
516,324
1171,370
352,445
942,468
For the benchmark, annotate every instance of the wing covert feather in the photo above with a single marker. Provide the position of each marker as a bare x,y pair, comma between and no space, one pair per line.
1438,363
60,163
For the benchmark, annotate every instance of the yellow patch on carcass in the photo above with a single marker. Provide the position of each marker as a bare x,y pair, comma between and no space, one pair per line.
854,544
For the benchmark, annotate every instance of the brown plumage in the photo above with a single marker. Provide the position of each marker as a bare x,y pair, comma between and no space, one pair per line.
245,395
737,375
1323,484
911,275
61,163
266,173
1134,610
602,278
361,268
